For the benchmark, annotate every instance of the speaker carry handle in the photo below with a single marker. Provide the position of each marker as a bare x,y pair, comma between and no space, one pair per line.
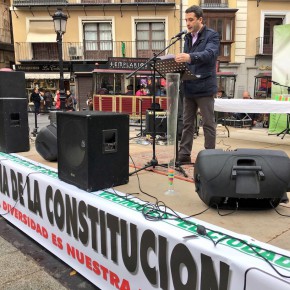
259,170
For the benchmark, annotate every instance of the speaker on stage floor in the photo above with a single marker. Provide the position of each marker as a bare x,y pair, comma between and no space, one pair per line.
244,178
46,142
160,122
12,85
14,131
93,149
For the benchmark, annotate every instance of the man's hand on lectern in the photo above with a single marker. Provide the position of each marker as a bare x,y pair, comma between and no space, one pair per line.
182,57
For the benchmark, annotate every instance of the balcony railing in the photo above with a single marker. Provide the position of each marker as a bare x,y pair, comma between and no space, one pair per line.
92,51
214,3
82,2
264,45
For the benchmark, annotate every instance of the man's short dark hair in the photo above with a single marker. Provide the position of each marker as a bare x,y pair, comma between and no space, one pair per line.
196,10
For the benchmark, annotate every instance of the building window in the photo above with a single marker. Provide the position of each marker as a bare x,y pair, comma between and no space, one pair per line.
214,3
42,39
150,38
224,24
269,24
98,40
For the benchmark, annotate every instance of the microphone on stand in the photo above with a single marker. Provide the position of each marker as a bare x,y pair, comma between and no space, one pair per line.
179,34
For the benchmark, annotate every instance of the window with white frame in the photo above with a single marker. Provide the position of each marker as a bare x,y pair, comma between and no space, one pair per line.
98,36
150,38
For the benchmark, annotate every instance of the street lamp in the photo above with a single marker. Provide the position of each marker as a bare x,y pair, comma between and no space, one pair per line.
60,19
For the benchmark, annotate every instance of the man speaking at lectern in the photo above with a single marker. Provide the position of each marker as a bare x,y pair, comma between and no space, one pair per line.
201,49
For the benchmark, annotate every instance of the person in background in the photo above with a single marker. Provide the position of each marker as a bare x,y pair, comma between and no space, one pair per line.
129,90
103,91
163,91
57,100
221,93
47,100
90,103
41,93
219,116
75,102
35,97
141,91
201,49
69,105
246,95
240,116
158,91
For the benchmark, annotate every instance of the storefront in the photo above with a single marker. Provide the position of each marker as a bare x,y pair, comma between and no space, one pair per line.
116,85
263,85
115,76
227,81
83,80
45,77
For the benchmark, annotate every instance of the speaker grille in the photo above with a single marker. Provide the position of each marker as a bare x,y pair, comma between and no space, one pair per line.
93,149
73,147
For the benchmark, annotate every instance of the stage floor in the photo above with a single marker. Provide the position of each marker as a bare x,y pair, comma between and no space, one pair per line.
264,225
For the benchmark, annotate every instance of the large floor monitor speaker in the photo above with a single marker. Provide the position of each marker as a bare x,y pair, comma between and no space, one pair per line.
244,178
160,122
93,149
14,130
46,142
12,85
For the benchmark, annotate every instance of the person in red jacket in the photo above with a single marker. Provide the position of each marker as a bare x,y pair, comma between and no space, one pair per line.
57,100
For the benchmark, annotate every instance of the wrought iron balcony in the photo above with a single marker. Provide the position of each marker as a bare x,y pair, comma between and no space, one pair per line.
214,3
25,3
90,51
264,45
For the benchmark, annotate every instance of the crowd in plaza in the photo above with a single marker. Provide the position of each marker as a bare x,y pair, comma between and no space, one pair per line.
44,100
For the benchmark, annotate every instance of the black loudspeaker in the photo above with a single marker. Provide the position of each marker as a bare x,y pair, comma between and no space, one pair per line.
93,149
160,122
244,178
14,130
12,85
46,142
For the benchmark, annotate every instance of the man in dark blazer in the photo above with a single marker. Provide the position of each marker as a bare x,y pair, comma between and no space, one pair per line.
201,49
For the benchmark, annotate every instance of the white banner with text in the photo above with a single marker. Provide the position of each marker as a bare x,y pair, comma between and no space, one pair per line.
120,242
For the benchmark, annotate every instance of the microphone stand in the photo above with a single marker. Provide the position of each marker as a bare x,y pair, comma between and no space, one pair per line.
34,132
153,162
140,135
141,117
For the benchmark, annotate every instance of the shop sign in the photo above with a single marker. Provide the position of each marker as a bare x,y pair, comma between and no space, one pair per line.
127,63
40,68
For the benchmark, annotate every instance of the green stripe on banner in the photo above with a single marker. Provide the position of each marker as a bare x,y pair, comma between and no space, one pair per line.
30,165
